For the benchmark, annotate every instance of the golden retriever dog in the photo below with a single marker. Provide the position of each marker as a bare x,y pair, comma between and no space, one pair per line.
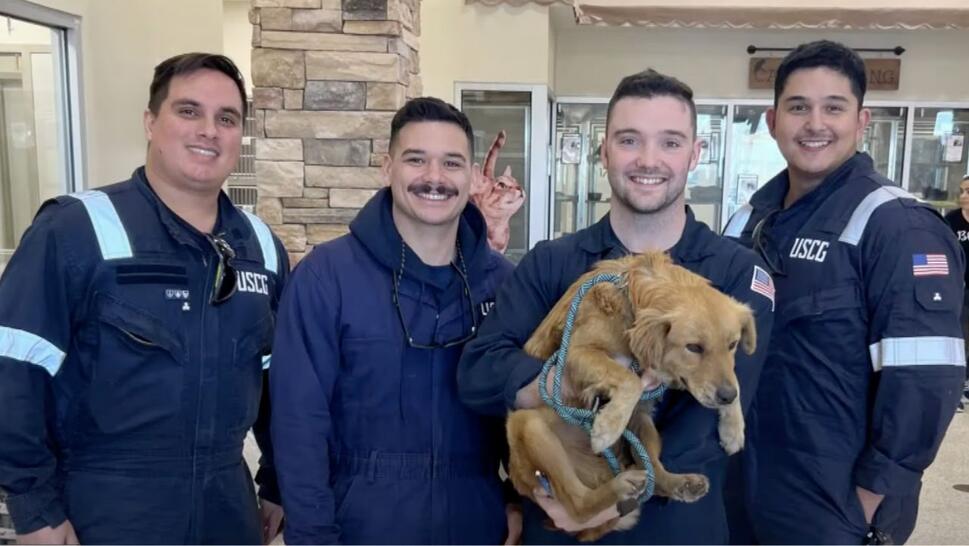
679,329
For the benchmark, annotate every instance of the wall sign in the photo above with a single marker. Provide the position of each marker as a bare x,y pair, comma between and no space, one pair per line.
883,74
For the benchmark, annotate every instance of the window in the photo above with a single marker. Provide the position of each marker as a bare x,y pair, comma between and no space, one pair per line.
939,155
522,111
37,155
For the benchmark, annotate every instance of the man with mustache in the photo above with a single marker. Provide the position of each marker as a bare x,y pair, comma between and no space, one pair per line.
865,367
135,327
649,150
373,444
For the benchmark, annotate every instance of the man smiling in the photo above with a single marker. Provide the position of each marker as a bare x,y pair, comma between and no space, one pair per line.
649,150
866,359
374,445
131,349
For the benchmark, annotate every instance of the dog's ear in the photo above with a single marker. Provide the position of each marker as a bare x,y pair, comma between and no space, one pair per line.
647,337
748,331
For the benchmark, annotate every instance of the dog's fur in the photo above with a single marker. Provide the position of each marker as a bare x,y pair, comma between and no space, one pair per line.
675,325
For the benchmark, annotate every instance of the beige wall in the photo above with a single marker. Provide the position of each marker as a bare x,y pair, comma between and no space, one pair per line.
476,43
122,41
237,37
591,60
552,38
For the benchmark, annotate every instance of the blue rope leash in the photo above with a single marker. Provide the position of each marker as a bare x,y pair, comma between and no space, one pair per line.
583,417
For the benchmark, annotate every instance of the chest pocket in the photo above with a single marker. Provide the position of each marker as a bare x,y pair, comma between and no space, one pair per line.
826,302
242,379
138,373
830,324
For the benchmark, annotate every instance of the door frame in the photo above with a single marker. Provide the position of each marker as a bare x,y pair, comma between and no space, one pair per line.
538,203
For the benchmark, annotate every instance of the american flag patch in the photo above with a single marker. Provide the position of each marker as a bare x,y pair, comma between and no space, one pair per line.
763,284
924,265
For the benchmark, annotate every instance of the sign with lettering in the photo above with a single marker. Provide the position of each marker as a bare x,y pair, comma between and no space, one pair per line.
883,74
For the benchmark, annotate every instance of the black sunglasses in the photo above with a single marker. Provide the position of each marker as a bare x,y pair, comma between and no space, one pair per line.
226,279
761,241
463,273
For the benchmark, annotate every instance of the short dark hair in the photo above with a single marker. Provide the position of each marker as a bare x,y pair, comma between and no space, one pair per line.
824,54
648,84
187,63
431,109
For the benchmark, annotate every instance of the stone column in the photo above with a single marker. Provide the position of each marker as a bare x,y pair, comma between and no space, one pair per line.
328,76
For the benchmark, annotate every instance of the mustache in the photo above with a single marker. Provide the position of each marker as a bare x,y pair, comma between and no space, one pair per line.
427,187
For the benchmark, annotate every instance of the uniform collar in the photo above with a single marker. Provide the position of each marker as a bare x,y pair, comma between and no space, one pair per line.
772,195
600,239
229,223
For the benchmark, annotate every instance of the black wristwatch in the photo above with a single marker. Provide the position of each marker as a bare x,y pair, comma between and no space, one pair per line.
876,536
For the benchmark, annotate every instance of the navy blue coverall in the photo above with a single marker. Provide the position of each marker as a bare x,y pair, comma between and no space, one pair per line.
494,368
373,445
866,360
125,394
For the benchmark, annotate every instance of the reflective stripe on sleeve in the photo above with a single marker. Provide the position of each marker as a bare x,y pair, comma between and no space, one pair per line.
31,348
917,351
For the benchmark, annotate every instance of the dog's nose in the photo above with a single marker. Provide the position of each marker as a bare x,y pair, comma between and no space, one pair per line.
726,394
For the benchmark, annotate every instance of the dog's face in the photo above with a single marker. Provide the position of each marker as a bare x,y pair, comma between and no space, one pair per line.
688,339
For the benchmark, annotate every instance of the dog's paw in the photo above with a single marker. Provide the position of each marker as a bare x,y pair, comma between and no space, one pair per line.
731,435
606,430
690,487
629,484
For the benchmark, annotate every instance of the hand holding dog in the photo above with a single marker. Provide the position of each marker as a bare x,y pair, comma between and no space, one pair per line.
560,517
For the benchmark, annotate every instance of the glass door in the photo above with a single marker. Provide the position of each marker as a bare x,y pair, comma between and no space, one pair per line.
491,112
884,140
581,189
704,189
939,157
523,113
35,154
753,157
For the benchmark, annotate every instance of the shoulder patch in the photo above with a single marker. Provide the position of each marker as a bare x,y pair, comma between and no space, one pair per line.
762,283
927,265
